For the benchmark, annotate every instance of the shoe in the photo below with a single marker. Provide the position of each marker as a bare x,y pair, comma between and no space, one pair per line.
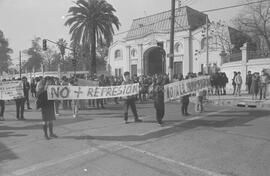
47,137
74,116
102,107
23,118
29,108
57,114
53,136
138,120
126,122
187,114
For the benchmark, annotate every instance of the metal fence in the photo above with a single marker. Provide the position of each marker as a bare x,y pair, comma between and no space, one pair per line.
233,57
258,54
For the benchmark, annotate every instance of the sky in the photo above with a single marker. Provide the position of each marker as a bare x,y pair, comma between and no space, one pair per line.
22,20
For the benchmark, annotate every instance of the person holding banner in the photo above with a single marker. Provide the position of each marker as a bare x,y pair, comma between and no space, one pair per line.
47,108
129,101
158,95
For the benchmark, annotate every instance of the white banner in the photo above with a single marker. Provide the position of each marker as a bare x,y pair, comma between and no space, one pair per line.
10,90
178,89
87,92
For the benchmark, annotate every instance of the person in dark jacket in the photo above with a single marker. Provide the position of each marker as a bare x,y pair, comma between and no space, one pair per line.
26,88
2,110
20,101
158,95
129,101
249,81
47,109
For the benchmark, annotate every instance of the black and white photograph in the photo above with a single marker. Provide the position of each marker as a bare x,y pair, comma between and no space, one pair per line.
134,87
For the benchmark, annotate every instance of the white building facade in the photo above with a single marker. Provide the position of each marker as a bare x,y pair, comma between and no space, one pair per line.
144,50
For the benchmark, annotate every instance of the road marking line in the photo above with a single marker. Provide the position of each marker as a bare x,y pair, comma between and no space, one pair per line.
205,171
184,121
61,160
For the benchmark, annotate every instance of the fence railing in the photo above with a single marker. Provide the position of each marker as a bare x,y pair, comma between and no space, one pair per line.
233,57
258,54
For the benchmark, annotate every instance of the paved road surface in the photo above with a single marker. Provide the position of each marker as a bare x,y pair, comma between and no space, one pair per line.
222,141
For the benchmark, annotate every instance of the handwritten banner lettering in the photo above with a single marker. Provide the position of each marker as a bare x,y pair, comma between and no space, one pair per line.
10,90
178,89
87,92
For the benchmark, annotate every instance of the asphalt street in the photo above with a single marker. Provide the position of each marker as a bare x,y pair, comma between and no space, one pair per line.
223,141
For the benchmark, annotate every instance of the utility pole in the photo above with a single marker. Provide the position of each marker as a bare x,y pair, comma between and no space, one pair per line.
172,39
207,46
20,64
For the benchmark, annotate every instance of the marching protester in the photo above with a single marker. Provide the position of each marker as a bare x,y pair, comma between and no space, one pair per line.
238,82
249,81
129,101
264,80
185,102
254,88
20,101
33,87
233,82
101,84
2,110
199,99
75,103
47,108
224,81
26,88
158,95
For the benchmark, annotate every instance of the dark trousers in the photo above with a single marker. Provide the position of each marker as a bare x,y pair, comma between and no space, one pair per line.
57,104
249,88
184,107
263,91
20,108
2,106
27,99
131,103
100,102
160,109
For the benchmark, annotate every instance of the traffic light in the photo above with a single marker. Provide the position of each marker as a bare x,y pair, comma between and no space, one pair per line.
44,44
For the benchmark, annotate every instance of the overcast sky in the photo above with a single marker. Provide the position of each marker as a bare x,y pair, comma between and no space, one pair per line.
21,20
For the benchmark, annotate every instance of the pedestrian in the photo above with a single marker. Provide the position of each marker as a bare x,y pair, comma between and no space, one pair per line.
20,101
249,81
33,86
101,84
57,102
264,80
254,88
185,102
238,82
129,101
199,99
158,95
26,89
233,82
75,103
2,110
47,109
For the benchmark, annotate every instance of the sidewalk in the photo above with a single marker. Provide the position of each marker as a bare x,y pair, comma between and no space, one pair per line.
244,101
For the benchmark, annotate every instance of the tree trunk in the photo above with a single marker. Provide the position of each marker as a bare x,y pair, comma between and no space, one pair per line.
93,53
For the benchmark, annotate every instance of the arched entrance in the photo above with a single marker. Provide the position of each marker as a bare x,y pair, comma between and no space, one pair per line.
154,60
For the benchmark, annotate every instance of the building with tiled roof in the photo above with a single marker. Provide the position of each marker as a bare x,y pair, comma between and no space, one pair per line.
144,48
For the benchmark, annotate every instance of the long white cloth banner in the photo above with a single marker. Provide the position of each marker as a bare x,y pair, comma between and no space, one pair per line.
10,90
178,89
89,92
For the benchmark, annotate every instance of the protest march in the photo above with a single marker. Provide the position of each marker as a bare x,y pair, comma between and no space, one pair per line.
10,90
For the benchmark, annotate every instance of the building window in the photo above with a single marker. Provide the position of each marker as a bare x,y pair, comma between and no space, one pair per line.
210,43
133,53
117,54
118,72
178,48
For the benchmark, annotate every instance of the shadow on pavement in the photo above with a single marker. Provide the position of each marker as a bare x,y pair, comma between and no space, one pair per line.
6,154
233,121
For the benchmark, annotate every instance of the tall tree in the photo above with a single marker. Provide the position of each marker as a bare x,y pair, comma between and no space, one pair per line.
5,51
90,21
255,20
35,55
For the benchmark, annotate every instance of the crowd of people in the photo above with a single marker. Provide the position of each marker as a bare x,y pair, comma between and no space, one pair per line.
150,87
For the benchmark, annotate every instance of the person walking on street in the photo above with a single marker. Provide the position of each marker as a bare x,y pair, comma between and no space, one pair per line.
158,95
185,103
2,110
254,88
47,109
238,82
264,80
20,101
26,89
233,83
129,101
249,81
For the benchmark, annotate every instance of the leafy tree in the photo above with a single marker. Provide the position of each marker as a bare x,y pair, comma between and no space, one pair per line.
90,21
255,21
35,55
5,51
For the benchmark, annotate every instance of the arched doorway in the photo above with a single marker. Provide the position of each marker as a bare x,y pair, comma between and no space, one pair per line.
154,60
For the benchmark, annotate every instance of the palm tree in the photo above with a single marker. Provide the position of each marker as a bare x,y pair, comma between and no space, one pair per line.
90,21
